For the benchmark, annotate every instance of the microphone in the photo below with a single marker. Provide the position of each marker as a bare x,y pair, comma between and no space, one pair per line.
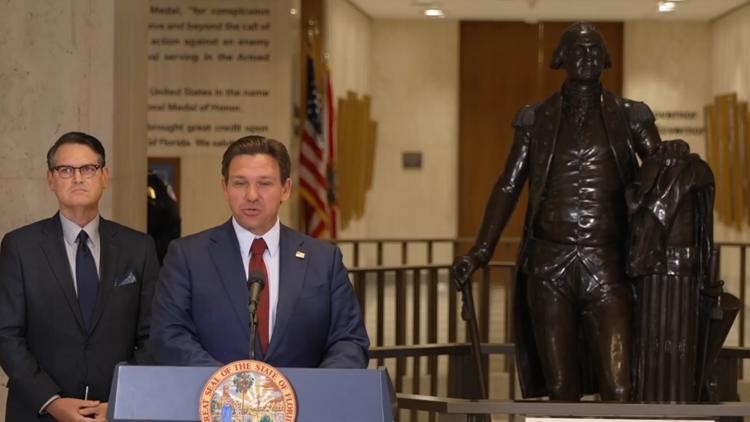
256,281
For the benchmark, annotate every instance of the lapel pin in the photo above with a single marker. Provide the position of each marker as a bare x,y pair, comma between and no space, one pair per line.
300,255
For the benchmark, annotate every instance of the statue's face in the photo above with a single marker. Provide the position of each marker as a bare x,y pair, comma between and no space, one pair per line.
585,58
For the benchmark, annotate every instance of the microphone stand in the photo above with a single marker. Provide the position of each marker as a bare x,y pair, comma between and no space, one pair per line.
256,282
253,329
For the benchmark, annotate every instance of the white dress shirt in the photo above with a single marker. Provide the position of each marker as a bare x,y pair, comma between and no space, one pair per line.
270,258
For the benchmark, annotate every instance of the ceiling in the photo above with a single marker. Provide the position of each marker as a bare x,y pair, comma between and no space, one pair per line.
538,10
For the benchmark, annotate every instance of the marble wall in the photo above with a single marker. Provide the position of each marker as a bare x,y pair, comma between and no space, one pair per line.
410,70
730,54
665,66
348,45
730,72
414,84
59,73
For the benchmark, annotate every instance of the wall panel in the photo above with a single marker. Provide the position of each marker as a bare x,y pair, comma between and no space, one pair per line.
503,66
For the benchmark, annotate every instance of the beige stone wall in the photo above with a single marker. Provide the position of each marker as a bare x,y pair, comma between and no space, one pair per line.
730,54
730,72
414,84
58,75
348,47
665,66
128,113
411,69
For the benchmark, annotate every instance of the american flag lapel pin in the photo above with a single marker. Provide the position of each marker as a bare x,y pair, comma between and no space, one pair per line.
300,255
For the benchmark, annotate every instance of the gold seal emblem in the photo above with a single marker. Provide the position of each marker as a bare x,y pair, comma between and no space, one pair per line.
248,390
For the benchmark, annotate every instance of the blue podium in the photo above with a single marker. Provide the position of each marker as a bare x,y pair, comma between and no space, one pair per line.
171,394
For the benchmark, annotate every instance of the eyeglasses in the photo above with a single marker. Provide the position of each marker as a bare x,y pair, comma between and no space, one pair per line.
87,170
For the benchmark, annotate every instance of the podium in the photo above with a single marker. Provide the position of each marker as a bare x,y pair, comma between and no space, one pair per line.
171,394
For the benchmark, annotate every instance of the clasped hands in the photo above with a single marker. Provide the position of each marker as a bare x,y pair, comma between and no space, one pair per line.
65,409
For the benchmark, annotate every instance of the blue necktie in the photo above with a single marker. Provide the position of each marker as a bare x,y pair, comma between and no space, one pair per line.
87,279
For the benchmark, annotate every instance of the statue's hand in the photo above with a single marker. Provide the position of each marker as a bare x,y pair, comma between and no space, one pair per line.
463,267
673,151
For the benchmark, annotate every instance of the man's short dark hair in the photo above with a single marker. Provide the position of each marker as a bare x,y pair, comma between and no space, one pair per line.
570,36
79,138
256,144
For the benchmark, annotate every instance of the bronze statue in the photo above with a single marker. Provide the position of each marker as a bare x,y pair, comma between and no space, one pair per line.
573,303
681,315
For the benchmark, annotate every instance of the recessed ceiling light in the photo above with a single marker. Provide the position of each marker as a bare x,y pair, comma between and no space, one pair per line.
434,13
666,6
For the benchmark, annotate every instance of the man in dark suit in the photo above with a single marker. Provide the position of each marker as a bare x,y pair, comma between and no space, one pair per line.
75,295
308,315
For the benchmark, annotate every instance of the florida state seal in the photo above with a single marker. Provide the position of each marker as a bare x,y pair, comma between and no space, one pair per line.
248,388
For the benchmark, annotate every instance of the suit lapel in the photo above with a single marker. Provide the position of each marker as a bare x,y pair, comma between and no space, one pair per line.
53,248
109,264
291,278
226,256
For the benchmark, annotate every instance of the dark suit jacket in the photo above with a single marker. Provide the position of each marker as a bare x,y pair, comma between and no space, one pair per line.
200,314
44,347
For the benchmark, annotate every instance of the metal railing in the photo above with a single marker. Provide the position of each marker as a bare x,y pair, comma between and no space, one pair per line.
406,252
413,319
412,312
403,251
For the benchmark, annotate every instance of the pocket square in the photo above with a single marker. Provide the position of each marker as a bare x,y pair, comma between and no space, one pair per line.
125,278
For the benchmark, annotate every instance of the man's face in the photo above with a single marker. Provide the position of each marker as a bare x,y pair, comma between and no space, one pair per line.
79,191
254,191
584,60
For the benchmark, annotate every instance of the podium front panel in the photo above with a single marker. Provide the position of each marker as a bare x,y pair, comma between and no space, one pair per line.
172,393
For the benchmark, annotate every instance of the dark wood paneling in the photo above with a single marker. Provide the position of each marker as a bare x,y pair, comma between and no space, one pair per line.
498,64
503,66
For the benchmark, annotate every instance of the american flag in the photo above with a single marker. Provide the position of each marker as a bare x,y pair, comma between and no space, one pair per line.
313,164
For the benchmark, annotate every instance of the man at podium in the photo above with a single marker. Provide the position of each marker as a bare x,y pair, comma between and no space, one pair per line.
308,315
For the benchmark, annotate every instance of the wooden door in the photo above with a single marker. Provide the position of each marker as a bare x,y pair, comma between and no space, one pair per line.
503,66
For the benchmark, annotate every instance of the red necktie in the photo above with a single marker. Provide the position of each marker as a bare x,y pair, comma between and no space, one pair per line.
257,264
